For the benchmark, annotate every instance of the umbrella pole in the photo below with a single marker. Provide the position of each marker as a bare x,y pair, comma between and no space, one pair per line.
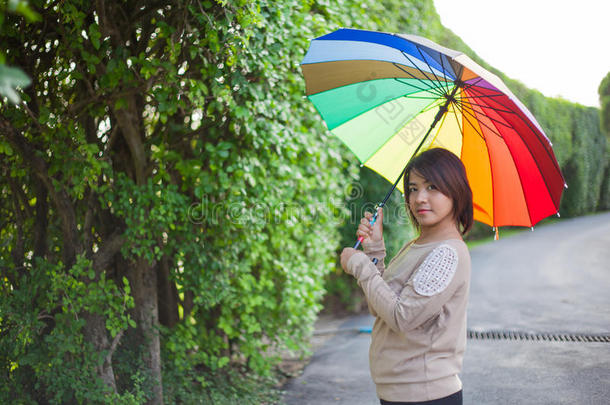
442,110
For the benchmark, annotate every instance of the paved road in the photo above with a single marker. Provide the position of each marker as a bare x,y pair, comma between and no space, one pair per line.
553,280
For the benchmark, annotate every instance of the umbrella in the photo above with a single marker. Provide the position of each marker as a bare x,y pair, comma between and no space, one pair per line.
388,96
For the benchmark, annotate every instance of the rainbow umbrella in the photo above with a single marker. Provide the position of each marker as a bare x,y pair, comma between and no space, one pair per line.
388,96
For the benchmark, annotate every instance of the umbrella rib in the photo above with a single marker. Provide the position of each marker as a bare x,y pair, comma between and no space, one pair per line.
491,163
440,89
469,85
553,161
544,146
438,80
485,95
462,110
493,198
490,118
526,122
420,98
441,126
429,107
492,173
457,120
429,89
461,127
543,177
422,72
470,122
404,124
490,107
445,76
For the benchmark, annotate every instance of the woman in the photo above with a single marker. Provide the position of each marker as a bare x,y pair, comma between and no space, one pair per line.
420,299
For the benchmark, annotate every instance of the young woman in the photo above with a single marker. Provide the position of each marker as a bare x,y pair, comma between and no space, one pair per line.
419,300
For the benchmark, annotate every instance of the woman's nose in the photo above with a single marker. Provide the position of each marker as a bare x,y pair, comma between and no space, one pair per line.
421,196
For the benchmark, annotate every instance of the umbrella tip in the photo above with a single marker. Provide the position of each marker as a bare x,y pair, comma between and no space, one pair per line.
565,185
558,216
532,229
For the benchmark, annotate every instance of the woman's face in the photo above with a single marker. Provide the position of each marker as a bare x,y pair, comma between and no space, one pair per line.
429,206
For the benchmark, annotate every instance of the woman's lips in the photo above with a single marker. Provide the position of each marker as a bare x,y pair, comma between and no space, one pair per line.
421,211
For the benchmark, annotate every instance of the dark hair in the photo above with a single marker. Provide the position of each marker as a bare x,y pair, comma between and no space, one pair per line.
445,170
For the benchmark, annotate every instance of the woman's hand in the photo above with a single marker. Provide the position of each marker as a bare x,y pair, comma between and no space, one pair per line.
372,233
346,254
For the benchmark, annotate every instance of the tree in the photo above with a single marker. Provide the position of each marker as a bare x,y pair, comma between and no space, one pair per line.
161,197
11,77
604,101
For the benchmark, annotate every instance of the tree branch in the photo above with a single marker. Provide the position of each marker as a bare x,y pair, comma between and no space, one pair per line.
103,257
18,250
127,119
41,220
60,198
113,346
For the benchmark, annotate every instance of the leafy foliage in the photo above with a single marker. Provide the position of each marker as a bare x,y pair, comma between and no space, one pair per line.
172,205
180,144
604,100
12,78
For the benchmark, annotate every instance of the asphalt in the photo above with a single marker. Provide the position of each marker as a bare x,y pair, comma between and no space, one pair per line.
554,280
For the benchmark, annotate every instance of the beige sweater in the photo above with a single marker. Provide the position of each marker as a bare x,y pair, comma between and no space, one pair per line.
420,300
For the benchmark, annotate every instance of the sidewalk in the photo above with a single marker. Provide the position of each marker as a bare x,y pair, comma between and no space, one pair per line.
551,281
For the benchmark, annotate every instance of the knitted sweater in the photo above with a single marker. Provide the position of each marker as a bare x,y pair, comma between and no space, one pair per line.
420,300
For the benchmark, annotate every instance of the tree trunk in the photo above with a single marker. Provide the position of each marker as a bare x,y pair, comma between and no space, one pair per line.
168,295
95,332
144,287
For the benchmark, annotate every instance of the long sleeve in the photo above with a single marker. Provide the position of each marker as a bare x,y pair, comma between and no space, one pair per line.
376,250
422,297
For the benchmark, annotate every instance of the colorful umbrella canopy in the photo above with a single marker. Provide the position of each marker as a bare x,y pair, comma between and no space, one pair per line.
387,96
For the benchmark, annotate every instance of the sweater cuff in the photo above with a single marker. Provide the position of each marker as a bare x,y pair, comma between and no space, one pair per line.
360,266
374,247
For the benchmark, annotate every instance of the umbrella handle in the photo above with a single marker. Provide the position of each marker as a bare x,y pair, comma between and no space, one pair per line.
372,222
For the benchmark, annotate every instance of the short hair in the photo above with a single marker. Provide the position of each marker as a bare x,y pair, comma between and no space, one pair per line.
447,172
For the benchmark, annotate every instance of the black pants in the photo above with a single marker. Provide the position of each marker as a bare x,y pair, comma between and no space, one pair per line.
453,399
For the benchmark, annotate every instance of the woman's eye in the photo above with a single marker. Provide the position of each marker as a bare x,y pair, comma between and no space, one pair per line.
412,189
432,187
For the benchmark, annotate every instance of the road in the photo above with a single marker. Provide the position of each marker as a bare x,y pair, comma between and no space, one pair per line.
554,280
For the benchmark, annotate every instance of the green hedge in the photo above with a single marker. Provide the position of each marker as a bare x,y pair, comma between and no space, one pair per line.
604,99
170,164
232,205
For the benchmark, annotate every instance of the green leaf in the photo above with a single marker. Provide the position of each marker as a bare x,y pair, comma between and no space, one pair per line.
223,361
10,79
22,7
95,35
